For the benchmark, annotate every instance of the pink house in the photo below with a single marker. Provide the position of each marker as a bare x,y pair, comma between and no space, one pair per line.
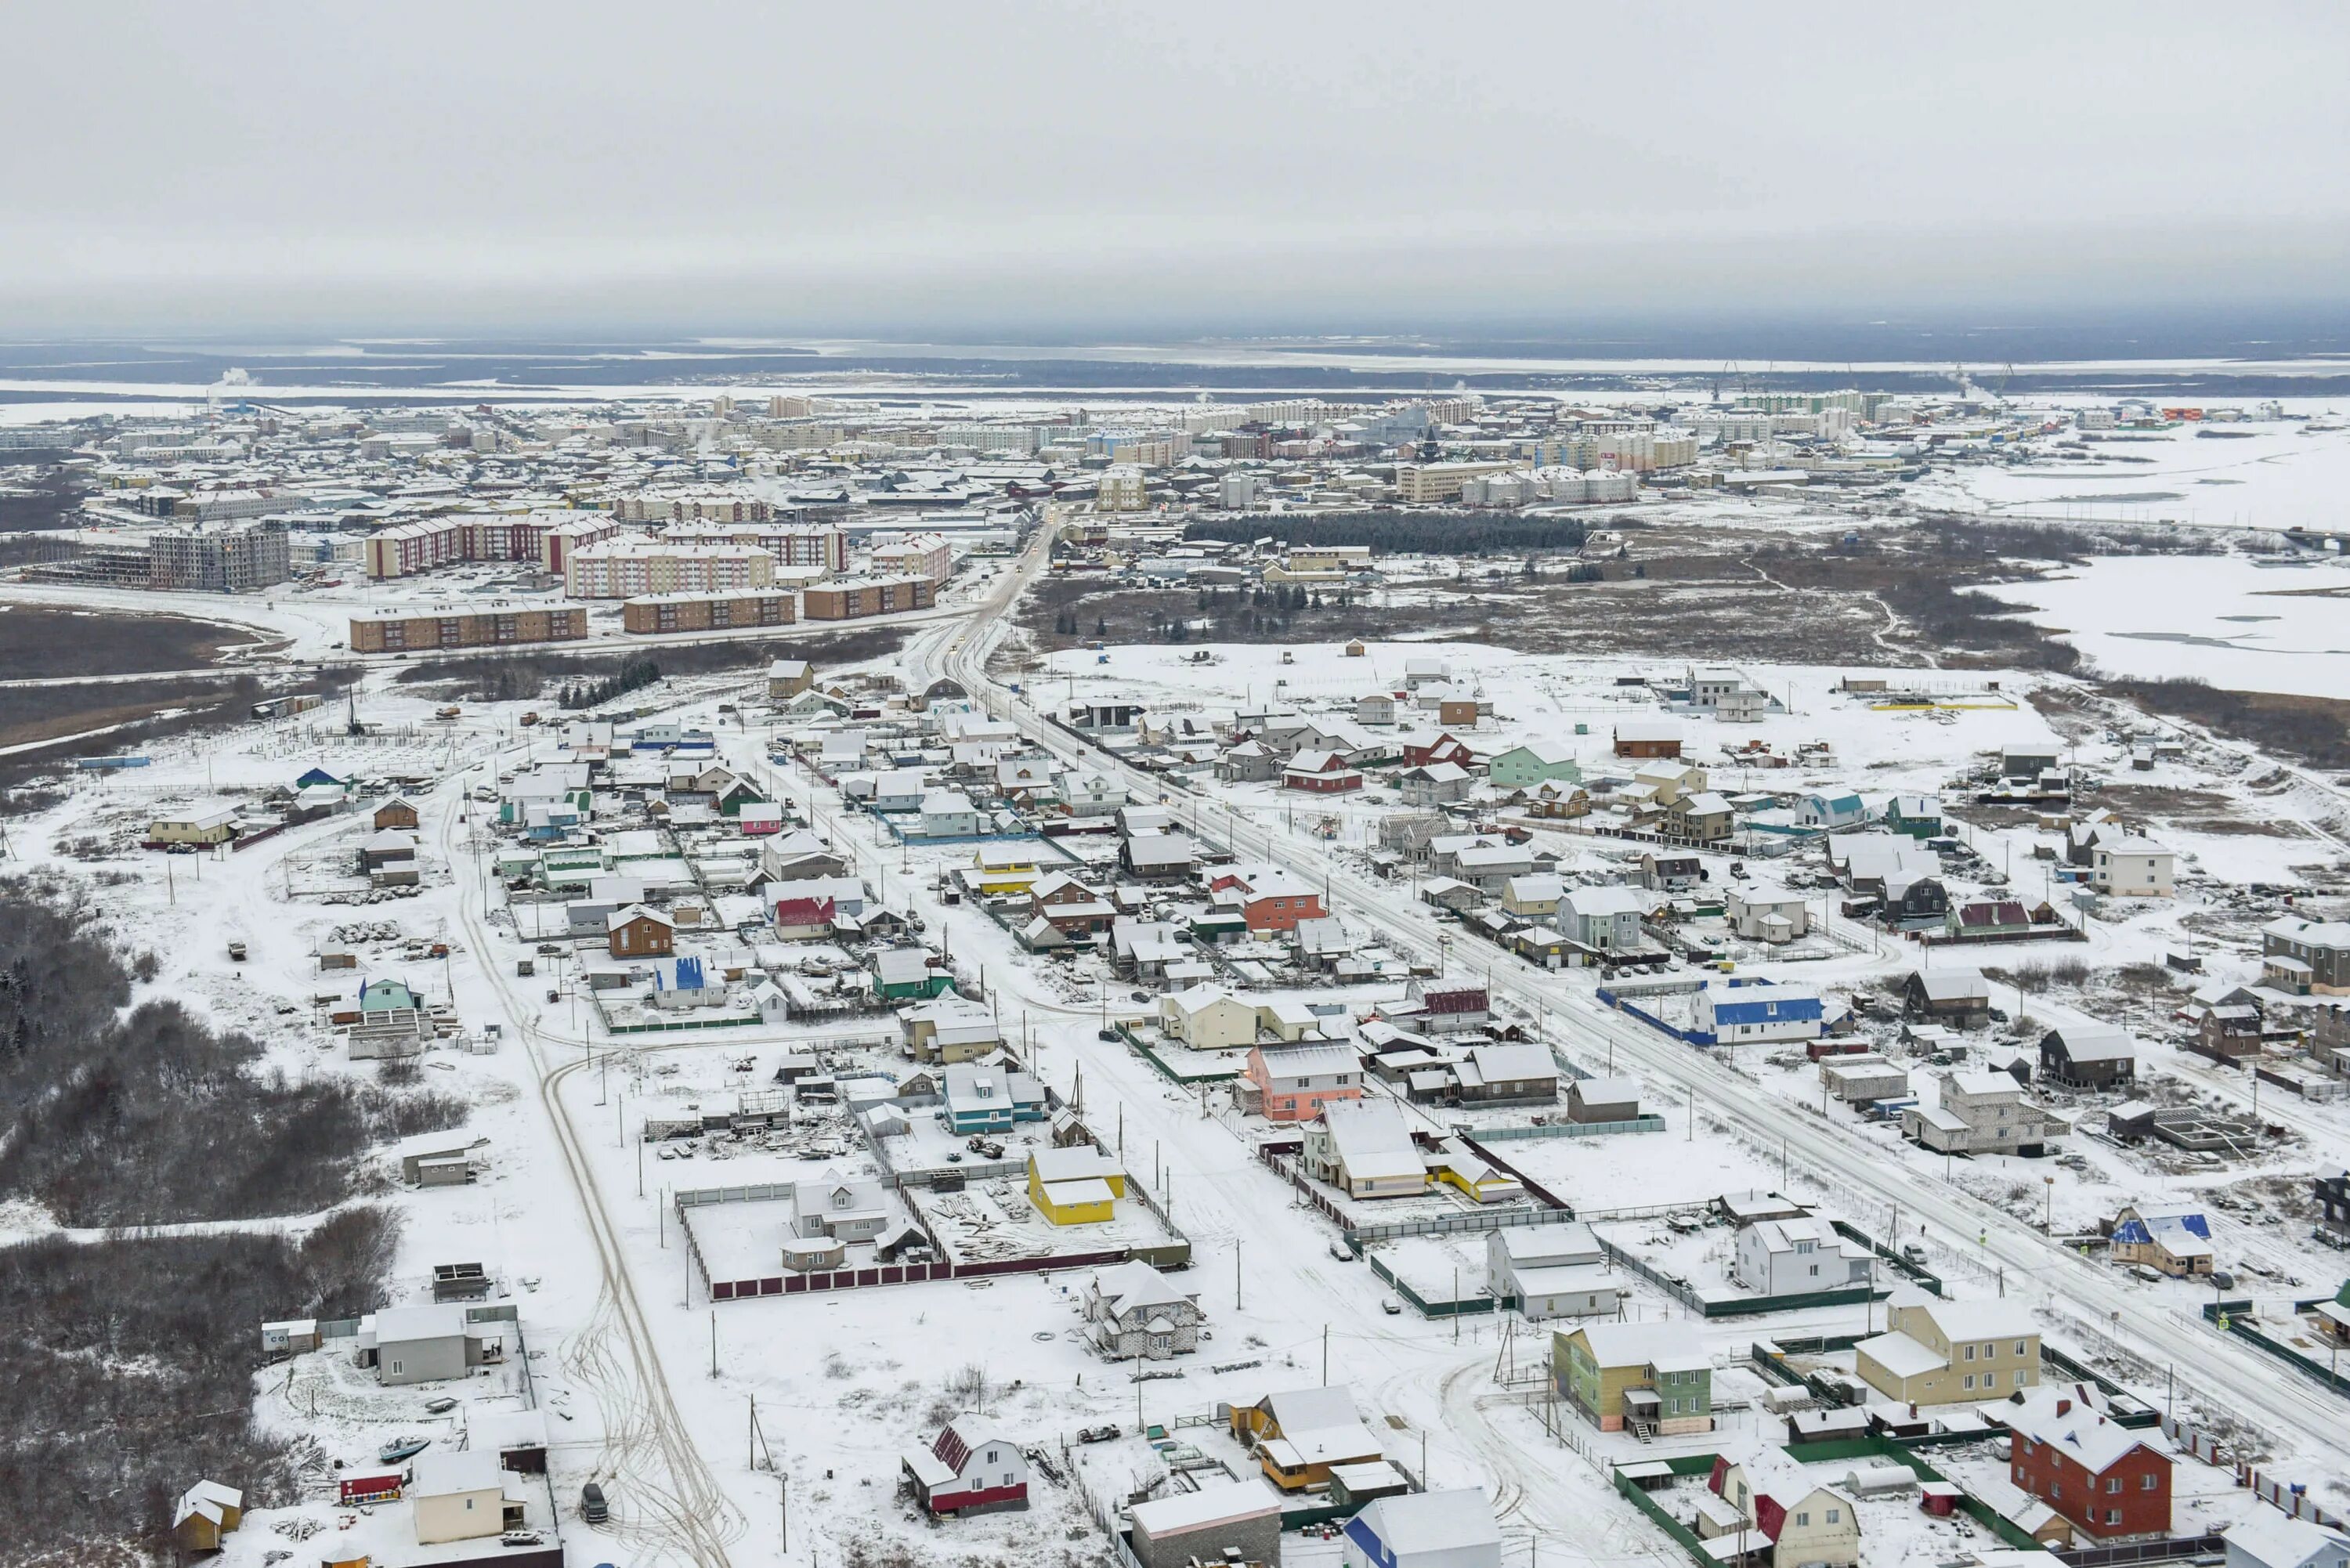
1293,1083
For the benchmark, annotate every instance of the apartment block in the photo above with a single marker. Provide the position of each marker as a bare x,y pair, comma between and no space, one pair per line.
853,599
926,556
233,559
715,504
495,624
815,544
616,570
656,613
545,539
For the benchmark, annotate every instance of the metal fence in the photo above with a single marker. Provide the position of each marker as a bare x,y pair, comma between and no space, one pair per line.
1563,1129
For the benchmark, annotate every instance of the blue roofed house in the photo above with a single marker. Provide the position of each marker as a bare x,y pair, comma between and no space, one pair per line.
1831,811
1740,1014
681,983
2174,1238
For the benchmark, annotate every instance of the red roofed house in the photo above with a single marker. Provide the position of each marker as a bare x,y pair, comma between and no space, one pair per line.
799,919
969,1468
2107,1479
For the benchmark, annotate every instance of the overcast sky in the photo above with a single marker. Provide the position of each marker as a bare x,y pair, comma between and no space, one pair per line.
1202,167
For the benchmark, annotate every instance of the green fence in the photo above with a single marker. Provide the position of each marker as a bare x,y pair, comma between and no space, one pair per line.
1685,1465
2237,1317
1421,1304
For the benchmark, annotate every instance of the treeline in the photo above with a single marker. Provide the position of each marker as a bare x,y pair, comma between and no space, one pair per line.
2059,541
633,673
1403,533
2313,728
154,1118
126,1373
522,677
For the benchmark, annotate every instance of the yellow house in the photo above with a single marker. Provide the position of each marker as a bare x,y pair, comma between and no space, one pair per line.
205,1512
1075,1186
1300,1436
1951,1353
214,825
1457,1167
1001,869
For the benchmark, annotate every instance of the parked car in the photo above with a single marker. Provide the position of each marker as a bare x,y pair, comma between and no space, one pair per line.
592,1507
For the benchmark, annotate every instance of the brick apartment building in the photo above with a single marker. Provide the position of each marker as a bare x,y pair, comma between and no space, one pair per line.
856,597
487,626
656,613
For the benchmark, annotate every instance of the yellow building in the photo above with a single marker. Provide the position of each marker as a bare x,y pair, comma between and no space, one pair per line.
215,824
1001,869
1075,1186
1951,1353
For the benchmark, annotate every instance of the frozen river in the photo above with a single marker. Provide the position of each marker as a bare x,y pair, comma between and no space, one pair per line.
2217,618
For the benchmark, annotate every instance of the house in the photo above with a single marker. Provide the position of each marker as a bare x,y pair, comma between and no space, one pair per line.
1207,1018
2132,867
207,826
1250,762
1841,810
1268,897
1654,1379
379,997
1915,815
2230,1031
1437,1005
1074,1184
1376,708
1796,1257
205,1513
1607,919
1762,913
1951,1353
2266,1538
638,932
2106,1478
1535,763
988,1099
999,868
2088,1056
846,1209
1983,1113
1423,1530
1863,1076
1519,1074
1300,1436
1365,1148
908,974
1702,817
969,1468
1647,738
1294,1085
1134,1312
1771,1493
1551,1270
1442,747
1746,1014
948,813
787,677
1158,857
1069,906
2306,957
1320,772
2330,1189
398,813
1960,998
426,1344
1236,1521
2174,1238
461,1495
2026,762
951,1030
1595,1100
1457,1165
1672,871
1420,672
1534,897
1433,783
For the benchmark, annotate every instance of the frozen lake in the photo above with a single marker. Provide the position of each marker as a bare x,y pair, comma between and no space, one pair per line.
2217,618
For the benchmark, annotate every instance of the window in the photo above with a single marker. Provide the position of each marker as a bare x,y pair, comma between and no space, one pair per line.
2019,1377
2023,1347
2055,1489
1971,1355
1802,1521
1835,1516
1970,1379
2148,1481
2113,1516
2113,1484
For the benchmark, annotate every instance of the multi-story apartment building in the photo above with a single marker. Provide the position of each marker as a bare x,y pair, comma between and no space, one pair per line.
714,504
233,559
1119,488
617,570
803,545
657,613
544,539
1425,482
854,597
916,556
499,622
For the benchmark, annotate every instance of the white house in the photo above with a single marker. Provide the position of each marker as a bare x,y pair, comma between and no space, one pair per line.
2132,867
1135,1313
1761,913
1207,1018
1424,1530
1551,1271
949,814
847,1208
1796,1257
2266,1539
1608,918
1365,1148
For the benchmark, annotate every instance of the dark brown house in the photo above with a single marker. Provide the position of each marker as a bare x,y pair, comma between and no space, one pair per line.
2088,1058
2231,1032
